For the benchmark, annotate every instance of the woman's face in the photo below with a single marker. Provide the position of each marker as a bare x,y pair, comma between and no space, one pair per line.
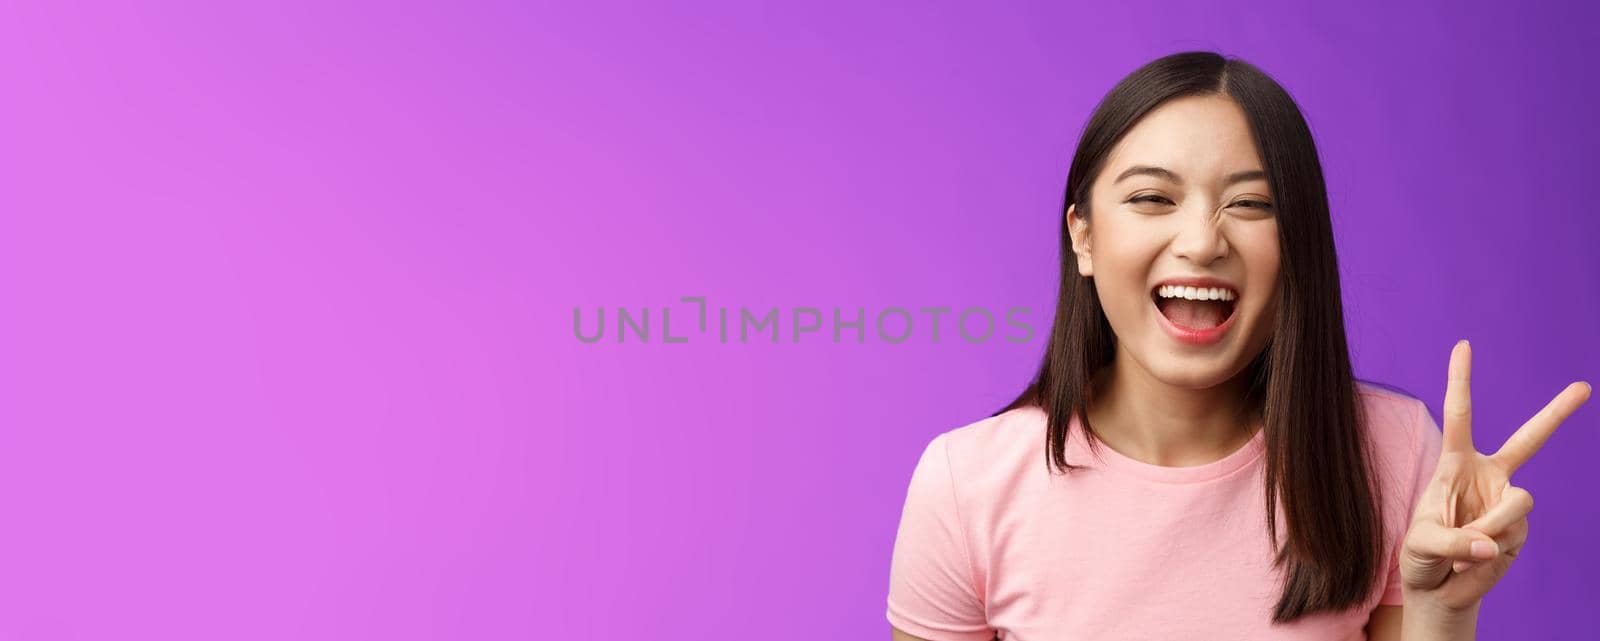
1182,198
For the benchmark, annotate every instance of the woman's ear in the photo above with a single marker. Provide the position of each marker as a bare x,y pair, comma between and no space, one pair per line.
1078,228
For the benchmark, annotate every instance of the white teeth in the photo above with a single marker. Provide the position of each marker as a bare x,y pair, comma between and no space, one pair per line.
1194,293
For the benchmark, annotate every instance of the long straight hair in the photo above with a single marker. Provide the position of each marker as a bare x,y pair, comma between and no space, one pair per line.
1317,461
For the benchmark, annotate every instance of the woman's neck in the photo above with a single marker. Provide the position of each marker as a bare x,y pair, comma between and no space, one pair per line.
1161,424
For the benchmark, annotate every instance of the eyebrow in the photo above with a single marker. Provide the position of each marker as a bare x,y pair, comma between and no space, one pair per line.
1165,174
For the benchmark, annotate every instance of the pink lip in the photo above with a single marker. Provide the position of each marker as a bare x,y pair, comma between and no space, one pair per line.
1193,336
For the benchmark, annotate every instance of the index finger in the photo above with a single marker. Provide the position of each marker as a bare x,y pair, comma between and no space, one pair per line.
1458,400
1531,436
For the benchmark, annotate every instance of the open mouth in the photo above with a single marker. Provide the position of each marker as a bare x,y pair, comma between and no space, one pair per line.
1195,309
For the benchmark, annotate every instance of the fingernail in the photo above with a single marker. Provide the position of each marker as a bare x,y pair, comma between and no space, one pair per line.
1483,549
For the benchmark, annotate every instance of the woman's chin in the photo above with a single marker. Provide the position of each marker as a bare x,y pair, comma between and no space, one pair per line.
1191,375
1181,365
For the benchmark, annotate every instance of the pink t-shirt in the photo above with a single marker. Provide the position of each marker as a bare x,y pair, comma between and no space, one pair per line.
990,543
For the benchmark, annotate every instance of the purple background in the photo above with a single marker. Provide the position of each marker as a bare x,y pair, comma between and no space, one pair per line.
288,346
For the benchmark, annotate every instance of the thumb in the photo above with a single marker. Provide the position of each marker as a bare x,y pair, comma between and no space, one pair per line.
1431,548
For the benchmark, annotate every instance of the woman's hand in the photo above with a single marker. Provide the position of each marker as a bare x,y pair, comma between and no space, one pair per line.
1470,521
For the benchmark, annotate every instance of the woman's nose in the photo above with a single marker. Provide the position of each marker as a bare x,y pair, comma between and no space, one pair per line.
1200,239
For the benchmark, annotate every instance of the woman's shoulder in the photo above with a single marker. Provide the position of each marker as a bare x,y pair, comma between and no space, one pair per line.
1014,429
992,450
1391,414
1401,430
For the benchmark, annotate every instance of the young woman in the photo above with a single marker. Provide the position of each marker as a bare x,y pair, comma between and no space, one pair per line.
1194,458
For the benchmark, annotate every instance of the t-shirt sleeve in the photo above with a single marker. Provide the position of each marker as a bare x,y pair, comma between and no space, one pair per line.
932,592
1427,442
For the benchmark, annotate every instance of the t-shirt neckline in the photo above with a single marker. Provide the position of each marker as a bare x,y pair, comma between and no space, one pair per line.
1246,454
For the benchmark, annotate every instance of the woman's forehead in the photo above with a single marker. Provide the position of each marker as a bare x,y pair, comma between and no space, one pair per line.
1203,138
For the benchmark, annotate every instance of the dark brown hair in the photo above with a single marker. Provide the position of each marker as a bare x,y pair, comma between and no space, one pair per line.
1317,457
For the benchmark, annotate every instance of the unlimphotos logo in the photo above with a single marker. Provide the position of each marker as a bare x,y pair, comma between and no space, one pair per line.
973,324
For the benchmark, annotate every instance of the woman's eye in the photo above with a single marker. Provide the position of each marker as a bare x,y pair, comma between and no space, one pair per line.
1255,203
1149,198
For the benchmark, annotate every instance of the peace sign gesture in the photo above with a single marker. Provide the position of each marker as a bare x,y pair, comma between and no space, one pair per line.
1470,521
